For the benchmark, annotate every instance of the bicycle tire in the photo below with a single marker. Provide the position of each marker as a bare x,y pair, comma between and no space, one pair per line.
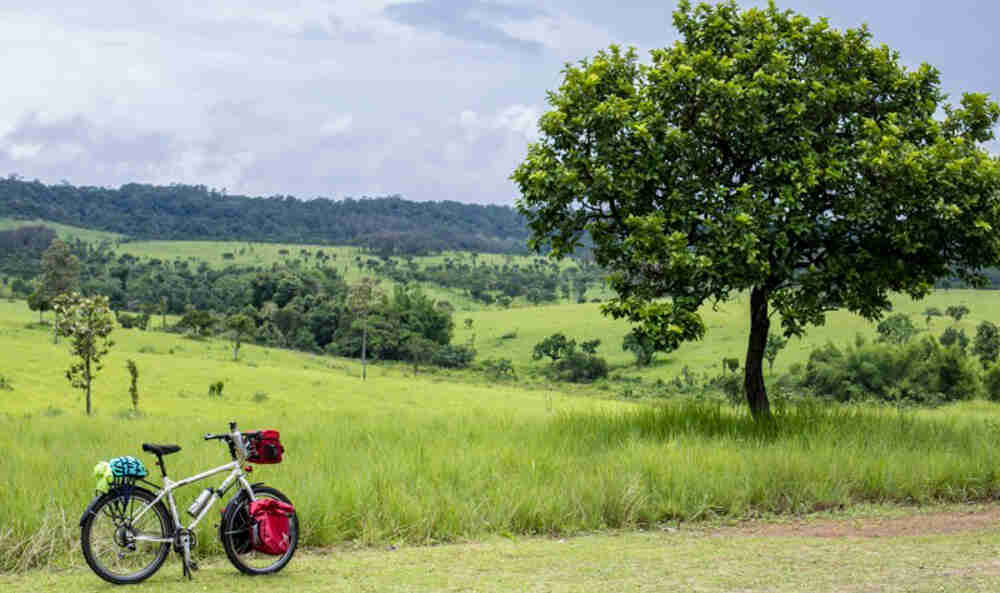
107,527
234,531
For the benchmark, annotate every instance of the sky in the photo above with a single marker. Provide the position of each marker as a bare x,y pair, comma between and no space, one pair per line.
427,99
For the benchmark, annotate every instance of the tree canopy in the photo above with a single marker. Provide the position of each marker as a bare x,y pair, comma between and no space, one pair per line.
768,153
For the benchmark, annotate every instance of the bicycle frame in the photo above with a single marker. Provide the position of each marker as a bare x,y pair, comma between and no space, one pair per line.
237,475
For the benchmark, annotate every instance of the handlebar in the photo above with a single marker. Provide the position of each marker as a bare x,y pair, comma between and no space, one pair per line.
209,437
237,447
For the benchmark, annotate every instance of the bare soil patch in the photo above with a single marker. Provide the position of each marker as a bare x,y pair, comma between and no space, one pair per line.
917,524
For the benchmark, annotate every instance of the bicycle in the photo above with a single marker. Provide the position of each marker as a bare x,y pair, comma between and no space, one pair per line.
127,532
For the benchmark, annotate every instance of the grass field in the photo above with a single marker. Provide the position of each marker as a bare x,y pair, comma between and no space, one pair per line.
64,231
727,330
429,459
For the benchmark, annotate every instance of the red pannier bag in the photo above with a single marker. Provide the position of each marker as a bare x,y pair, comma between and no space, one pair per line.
270,527
267,447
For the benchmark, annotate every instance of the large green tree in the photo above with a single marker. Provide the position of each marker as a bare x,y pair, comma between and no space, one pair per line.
764,153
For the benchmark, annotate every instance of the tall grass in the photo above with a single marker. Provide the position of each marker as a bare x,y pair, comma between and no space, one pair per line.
403,477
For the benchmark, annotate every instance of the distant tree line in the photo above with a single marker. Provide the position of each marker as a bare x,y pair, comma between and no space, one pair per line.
386,224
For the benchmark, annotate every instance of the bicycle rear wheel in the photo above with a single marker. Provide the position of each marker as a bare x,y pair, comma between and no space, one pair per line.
108,536
235,531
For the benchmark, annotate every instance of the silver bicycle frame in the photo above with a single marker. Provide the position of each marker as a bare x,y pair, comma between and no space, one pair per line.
237,474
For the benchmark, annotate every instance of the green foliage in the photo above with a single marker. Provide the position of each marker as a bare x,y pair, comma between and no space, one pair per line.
767,153
388,225
775,344
986,344
639,345
579,367
259,397
731,364
590,346
957,312
957,337
87,322
215,389
5,384
454,357
896,329
133,389
240,326
499,369
931,312
555,347
200,322
920,372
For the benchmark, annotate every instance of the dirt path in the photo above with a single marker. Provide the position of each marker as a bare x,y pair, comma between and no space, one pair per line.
979,518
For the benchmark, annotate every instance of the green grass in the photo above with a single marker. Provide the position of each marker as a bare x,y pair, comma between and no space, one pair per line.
682,560
63,230
727,325
429,459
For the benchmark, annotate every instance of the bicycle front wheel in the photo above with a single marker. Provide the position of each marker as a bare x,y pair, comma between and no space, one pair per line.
236,533
110,536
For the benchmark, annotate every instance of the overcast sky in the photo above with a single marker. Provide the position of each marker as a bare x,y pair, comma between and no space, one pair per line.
429,99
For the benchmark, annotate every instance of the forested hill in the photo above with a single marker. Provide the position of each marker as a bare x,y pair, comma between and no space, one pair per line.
196,212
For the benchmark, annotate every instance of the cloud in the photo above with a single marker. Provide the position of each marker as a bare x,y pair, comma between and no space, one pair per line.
475,21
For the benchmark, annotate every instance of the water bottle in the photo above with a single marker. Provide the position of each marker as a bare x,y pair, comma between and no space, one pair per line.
200,502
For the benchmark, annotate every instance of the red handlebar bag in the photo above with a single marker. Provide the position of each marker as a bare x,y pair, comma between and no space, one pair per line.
266,447
270,529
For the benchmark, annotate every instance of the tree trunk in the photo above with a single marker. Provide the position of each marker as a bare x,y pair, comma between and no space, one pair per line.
760,325
86,376
364,346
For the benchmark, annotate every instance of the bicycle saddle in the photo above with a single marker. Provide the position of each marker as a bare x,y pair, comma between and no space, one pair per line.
160,449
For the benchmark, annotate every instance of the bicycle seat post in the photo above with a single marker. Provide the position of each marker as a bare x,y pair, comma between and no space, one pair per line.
159,462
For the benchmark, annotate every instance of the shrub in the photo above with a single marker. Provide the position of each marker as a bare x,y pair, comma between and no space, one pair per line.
5,384
259,397
952,336
499,369
896,329
991,382
920,372
454,357
215,389
579,367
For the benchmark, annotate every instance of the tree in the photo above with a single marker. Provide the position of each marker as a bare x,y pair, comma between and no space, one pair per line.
87,322
954,336
896,329
361,298
555,347
775,343
590,346
930,313
201,322
957,312
418,350
38,301
986,344
766,153
133,388
60,275
640,347
240,326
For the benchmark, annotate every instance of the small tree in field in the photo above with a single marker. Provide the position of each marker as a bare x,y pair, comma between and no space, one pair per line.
240,326
769,153
133,388
87,322
957,312
986,344
930,313
555,347
361,299
775,343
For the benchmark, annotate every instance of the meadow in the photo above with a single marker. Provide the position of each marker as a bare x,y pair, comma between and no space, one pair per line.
431,458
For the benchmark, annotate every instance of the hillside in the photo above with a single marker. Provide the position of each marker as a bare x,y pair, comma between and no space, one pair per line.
387,224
